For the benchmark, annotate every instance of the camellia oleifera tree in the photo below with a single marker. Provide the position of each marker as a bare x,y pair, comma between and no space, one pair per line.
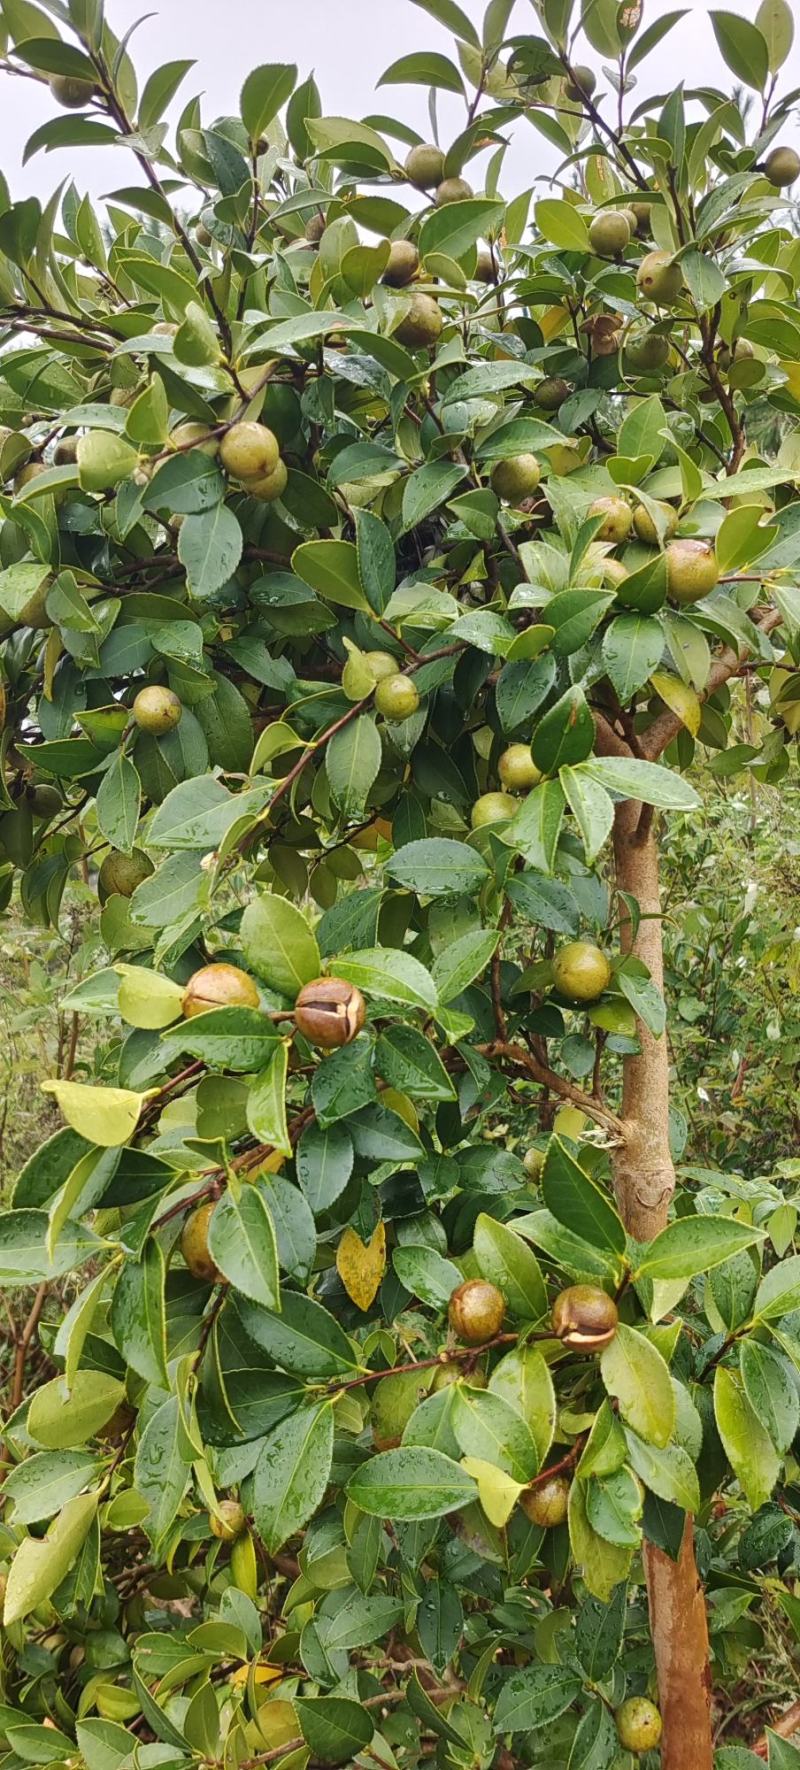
375,553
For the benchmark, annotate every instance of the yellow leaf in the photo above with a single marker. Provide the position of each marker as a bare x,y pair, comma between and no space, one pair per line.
555,320
497,1491
361,1265
569,1122
106,1116
261,1675
679,698
146,999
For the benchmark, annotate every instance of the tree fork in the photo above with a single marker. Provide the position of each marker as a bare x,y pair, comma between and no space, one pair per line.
644,1179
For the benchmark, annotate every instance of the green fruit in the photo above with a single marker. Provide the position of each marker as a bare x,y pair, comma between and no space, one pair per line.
194,1244
228,1521
646,528
551,393
65,451
517,769
614,572
641,212
381,663
33,612
533,1162
516,477
646,351
492,808
402,264
393,1402
584,1318
692,570
424,166
639,1724
104,459
30,471
781,166
609,233
190,434
45,801
581,84
453,1372
249,450
396,697
617,519
120,874
659,279
268,486
547,1505
452,190
581,971
71,92
476,1311
219,986
157,709
422,324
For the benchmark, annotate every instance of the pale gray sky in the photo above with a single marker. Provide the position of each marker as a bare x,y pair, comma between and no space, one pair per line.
348,43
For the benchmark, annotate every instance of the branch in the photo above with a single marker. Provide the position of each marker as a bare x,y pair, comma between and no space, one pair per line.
539,1072
727,665
783,1728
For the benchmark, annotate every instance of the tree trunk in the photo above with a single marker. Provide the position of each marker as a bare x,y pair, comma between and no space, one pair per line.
644,1179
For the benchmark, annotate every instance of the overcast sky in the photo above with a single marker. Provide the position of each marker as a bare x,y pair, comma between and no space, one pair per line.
348,43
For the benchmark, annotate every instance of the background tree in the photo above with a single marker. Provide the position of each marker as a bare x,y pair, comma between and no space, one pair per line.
373,565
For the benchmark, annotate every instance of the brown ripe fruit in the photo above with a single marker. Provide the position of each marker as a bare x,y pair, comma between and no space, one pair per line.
157,709
517,769
402,264
781,166
330,1012
609,233
422,324
617,519
551,393
452,190
485,269
228,1521
692,570
65,451
581,85
584,1318
70,91
424,166
516,477
639,1725
547,1505
120,874
315,228
646,528
658,279
396,697
476,1311
249,450
219,986
194,1244
581,971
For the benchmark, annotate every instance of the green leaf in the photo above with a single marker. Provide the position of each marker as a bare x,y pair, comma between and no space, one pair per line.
25,1257
424,69
647,781
703,279
775,22
138,1315
754,1459
427,488
577,1202
331,568
426,1274
410,1483
161,1470
462,961
535,1696
390,974
592,808
455,227
742,47
667,1470
241,1242
352,760
265,90
44,1482
238,1039
405,1059
324,1164
632,649
599,1634
561,223
523,1379
504,1259
375,559
334,1728
292,1474
534,829
635,1373
210,548
118,800
303,1339
779,1291
59,1418
644,995
39,1566
642,431
279,945
438,867
771,1391
198,813
602,1564
447,13
696,1244
488,1427
565,734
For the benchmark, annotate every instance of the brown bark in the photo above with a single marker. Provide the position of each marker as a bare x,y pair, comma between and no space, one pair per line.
644,1178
